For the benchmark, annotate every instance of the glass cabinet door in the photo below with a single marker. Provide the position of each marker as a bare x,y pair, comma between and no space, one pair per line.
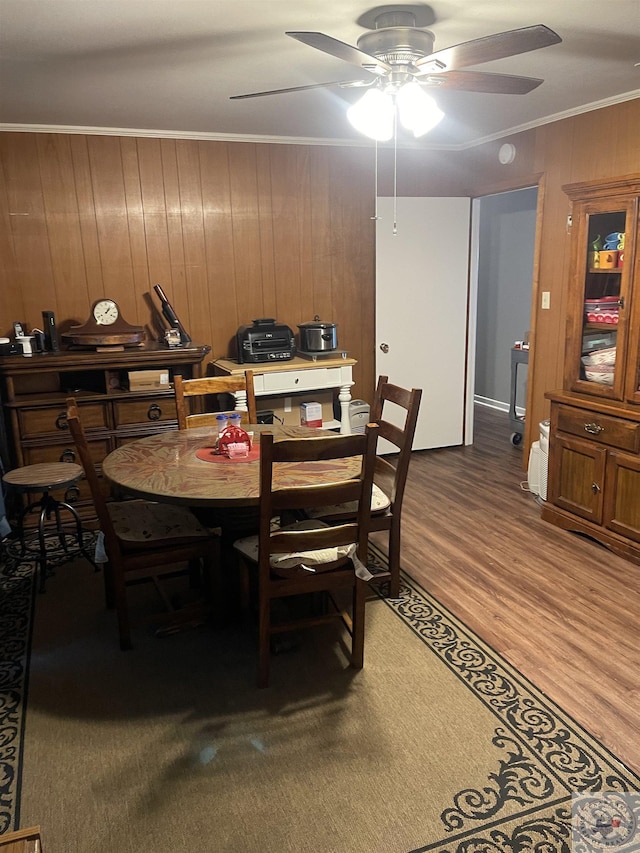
597,344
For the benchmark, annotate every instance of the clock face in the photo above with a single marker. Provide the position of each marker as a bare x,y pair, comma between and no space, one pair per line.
105,312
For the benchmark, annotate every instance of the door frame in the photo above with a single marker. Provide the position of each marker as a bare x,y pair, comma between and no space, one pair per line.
536,180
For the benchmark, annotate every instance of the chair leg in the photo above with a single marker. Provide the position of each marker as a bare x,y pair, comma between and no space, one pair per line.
264,637
109,592
120,599
245,590
359,597
42,545
394,561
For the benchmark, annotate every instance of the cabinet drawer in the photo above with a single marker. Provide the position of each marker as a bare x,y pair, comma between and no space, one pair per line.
149,410
301,380
64,452
53,419
614,432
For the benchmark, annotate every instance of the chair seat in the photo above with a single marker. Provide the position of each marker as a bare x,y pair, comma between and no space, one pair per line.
294,563
380,503
141,523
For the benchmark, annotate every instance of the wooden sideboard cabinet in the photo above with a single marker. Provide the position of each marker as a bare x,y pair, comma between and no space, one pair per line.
299,379
594,438
113,410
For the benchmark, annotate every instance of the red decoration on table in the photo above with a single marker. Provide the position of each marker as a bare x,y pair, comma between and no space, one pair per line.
234,442
210,454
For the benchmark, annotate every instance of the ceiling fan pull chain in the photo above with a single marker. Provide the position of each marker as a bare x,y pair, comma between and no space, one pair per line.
375,216
395,172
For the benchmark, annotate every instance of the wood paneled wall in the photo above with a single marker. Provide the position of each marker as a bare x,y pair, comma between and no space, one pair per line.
231,231
234,231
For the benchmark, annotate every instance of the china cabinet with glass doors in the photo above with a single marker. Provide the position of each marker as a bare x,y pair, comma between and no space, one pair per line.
594,437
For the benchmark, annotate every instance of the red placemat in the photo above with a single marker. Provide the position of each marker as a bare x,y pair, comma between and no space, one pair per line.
208,454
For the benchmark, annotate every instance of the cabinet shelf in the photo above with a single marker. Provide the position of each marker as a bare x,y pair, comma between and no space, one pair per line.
600,327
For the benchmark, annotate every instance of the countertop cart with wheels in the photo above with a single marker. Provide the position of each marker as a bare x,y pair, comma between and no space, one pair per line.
518,356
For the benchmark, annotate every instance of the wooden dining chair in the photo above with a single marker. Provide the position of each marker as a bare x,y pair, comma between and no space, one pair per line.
390,474
310,556
198,390
144,540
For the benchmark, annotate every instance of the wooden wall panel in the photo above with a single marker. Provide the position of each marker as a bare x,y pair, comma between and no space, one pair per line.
156,252
218,224
286,208
266,226
63,221
31,271
320,217
136,225
92,287
247,261
114,237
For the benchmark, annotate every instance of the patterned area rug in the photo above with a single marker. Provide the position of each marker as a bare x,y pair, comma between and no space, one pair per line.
437,745
17,585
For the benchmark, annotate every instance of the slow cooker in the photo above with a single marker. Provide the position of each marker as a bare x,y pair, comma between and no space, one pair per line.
318,337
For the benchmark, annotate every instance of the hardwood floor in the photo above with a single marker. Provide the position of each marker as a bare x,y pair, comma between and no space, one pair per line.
559,607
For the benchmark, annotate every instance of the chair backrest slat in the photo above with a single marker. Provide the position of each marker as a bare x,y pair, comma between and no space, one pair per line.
358,449
208,386
401,437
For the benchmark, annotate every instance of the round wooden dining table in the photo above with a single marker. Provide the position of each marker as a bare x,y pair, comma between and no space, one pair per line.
179,467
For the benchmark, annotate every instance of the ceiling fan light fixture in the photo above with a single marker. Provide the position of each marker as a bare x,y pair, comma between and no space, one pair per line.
373,115
418,111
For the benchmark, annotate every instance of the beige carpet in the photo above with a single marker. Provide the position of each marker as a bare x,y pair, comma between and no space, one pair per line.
170,748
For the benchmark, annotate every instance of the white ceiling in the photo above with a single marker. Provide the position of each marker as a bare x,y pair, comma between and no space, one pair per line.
169,66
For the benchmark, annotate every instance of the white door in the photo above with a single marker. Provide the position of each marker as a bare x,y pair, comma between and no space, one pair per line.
422,276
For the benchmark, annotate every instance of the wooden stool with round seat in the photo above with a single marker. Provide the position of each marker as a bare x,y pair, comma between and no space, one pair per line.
46,478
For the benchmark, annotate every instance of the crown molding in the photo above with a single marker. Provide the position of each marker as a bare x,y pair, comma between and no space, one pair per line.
180,134
575,111
295,140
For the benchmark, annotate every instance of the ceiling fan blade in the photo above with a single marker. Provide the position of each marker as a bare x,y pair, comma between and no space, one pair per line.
342,84
481,81
344,51
497,46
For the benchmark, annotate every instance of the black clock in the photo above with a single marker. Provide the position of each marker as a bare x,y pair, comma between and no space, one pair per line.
105,327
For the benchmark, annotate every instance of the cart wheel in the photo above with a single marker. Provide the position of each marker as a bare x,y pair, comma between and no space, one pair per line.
516,439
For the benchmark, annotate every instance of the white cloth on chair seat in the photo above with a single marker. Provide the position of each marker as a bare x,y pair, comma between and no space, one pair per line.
379,504
307,560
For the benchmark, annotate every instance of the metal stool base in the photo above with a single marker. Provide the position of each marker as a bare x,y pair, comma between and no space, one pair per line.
50,507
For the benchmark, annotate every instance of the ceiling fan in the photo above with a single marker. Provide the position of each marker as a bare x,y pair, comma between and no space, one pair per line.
396,52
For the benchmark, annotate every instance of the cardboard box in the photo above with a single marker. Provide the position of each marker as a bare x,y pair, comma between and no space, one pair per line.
292,416
311,414
148,380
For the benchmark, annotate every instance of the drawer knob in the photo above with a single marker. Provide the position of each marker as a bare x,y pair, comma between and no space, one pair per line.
72,495
61,421
155,412
593,428
595,488
68,455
